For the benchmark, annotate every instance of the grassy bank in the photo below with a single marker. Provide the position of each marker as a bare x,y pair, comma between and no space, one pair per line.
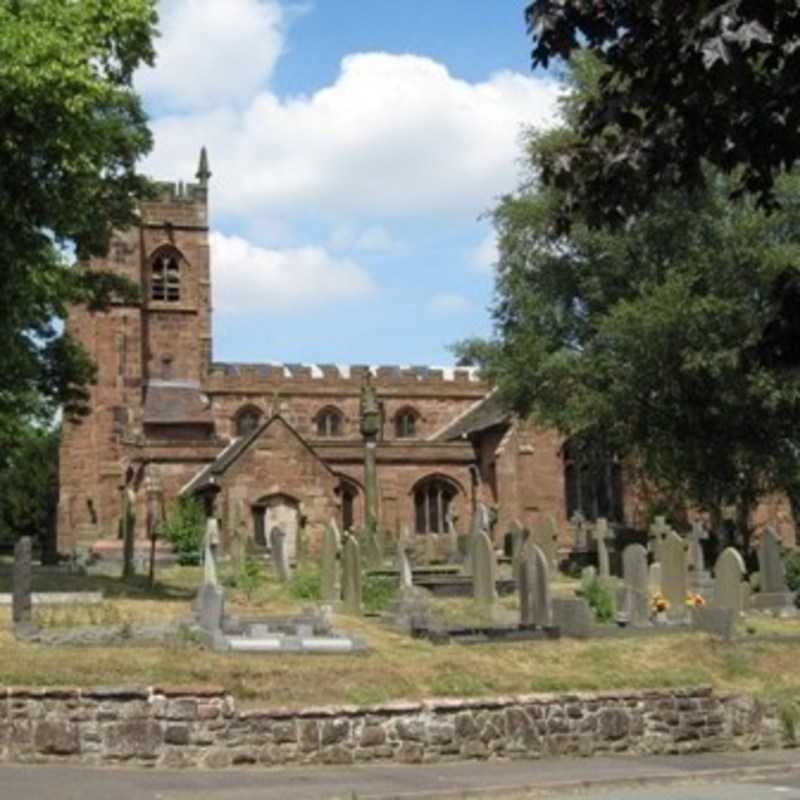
397,667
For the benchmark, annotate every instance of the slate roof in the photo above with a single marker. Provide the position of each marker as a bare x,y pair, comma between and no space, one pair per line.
176,402
206,476
489,412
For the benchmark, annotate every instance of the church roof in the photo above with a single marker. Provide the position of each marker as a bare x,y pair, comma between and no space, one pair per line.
489,412
176,402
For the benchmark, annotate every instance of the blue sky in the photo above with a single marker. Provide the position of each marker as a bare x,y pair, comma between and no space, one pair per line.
355,146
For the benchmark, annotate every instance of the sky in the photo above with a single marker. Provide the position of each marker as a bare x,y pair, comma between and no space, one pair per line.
357,147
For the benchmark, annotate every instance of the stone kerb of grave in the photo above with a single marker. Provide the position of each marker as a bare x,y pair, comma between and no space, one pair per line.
773,595
729,574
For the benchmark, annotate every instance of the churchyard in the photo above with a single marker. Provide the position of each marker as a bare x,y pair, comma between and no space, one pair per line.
675,624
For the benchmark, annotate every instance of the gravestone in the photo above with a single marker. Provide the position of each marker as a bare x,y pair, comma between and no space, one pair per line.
484,571
280,556
373,556
675,576
700,581
541,605
729,573
210,545
654,578
210,605
657,534
545,536
478,525
329,565
452,539
715,620
602,534
573,617
580,534
773,593
772,574
588,577
22,605
403,567
519,536
351,576
635,574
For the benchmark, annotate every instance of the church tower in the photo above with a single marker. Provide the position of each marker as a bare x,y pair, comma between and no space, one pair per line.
161,339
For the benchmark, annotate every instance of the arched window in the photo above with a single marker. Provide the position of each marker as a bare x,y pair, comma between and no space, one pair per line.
405,423
349,498
592,481
330,422
247,420
165,275
433,498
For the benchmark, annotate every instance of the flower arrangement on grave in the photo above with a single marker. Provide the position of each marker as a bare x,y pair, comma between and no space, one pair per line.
695,600
658,603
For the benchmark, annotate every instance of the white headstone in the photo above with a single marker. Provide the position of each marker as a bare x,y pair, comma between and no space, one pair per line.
729,572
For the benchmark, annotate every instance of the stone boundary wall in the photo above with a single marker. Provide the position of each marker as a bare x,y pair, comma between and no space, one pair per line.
195,727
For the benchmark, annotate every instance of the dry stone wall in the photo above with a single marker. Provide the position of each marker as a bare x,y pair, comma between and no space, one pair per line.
195,727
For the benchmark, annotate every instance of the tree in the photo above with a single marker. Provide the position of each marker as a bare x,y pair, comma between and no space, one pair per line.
29,487
646,339
71,131
685,83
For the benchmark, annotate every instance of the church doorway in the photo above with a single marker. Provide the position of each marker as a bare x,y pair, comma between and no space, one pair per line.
281,511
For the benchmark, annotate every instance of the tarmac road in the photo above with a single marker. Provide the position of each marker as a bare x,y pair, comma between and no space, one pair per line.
741,776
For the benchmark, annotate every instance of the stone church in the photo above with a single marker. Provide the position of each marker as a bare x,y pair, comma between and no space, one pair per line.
281,443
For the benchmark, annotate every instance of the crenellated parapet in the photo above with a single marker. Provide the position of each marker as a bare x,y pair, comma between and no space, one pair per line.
272,377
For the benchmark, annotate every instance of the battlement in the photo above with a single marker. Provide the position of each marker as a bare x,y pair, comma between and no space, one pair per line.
270,376
180,192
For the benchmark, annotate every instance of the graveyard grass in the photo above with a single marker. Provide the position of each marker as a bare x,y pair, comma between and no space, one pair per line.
762,661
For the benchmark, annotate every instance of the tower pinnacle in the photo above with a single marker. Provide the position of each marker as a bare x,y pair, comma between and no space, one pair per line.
203,172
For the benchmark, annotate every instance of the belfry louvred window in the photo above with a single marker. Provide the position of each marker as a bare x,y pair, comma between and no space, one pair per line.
165,276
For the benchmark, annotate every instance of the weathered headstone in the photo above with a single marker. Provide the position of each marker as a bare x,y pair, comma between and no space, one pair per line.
329,565
580,536
210,545
635,574
519,536
654,578
715,620
210,605
478,525
602,535
452,538
545,536
542,608
484,571
351,576
21,613
588,577
403,567
280,555
729,572
658,533
773,593
675,575
573,617
697,559
772,574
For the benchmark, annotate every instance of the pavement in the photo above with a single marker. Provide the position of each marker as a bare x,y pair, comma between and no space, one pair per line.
713,776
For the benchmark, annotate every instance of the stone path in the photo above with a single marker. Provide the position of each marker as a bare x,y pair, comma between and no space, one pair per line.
607,778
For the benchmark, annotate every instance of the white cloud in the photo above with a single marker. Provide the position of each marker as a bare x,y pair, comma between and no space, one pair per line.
213,52
486,255
394,134
252,279
448,303
375,239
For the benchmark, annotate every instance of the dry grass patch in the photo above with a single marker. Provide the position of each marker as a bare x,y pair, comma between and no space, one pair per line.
396,666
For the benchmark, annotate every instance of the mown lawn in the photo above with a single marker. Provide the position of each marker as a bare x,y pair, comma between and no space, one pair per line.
396,667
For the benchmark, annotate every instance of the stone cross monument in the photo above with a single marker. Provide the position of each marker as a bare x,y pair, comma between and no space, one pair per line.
370,413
